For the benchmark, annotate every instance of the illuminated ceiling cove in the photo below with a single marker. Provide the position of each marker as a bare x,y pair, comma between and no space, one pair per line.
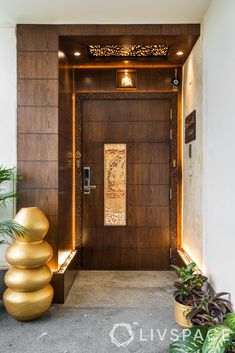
128,50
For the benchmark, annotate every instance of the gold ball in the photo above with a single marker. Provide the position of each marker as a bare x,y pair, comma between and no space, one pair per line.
28,255
27,306
28,279
35,222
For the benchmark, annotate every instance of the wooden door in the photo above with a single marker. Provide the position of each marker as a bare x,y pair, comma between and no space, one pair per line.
144,126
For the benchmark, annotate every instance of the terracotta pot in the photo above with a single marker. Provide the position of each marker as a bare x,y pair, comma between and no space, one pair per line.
181,312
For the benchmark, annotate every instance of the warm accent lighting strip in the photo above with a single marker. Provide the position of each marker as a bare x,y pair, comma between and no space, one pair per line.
73,173
67,258
128,50
187,259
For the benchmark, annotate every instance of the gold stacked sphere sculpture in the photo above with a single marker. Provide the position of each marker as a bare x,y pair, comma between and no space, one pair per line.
29,293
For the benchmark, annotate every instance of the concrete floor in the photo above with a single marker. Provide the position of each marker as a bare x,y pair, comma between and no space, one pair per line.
121,289
106,312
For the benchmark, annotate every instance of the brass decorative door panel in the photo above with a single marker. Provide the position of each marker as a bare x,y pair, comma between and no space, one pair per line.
115,184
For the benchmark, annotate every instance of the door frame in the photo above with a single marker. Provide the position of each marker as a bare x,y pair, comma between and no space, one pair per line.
37,41
173,162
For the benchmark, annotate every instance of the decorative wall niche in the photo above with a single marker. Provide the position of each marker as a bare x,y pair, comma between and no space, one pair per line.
126,79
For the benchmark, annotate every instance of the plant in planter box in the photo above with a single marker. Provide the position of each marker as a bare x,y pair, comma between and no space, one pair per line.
189,290
8,228
201,339
211,310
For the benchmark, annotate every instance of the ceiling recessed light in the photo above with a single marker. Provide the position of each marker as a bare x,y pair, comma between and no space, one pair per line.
77,53
61,54
180,53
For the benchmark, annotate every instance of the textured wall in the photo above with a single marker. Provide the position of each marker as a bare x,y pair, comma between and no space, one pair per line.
8,112
219,144
192,170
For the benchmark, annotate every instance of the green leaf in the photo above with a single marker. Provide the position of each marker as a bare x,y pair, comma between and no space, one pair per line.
221,294
218,339
230,320
11,229
190,341
5,197
6,174
233,346
191,266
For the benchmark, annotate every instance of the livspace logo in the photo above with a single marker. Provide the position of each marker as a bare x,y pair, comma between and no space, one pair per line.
122,334
127,332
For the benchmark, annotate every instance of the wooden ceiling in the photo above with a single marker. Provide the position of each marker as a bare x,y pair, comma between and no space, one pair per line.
180,42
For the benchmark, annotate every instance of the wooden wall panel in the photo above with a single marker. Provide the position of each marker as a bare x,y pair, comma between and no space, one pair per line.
36,38
38,174
37,65
137,153
126,132
130,29
46,199
52,235
131,237
125,259
153,112
158,80
141,174
148,174
37,88
37,147
138,216
37,93
65,231
38,120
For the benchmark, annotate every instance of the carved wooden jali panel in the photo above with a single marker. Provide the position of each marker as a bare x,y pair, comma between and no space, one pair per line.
114,184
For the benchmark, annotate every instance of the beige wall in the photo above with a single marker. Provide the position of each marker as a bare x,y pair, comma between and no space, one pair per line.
7,114
208,195
192,169
219,145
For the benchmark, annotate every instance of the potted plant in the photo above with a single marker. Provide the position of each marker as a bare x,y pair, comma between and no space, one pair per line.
211,310
189,290
201,339
8,228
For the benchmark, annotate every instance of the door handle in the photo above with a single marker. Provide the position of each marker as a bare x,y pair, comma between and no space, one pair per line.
87,181
88,187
